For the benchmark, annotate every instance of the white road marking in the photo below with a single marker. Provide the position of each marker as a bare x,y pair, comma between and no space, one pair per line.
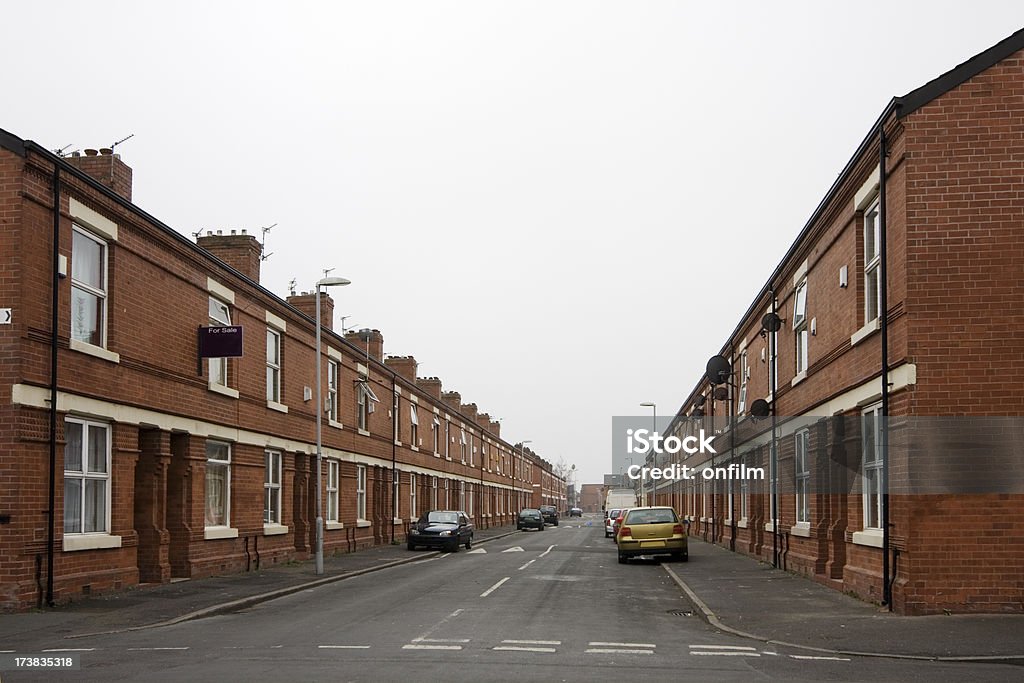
494,587
832,659
71,649
603,644
527,565
440,640
619,651
546,551
148,649
423,636
514,549
477,551
431,647
344,647
513,648
725,653
723,647
532,642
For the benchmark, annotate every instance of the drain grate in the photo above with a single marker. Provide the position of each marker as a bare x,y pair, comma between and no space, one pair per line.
681,612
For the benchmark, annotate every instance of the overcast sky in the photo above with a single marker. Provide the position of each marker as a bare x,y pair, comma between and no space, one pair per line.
561,209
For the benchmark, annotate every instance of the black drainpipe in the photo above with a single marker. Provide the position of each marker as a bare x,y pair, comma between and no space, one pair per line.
772,454
883,315
397,403
51,505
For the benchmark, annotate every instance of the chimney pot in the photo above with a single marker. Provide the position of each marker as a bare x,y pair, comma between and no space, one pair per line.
106,151
91,152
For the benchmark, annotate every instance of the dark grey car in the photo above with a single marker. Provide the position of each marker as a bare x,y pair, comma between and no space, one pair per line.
445,529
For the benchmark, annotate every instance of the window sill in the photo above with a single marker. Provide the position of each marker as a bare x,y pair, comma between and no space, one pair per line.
727,522
802,529
90,542
221,389
799,378
336,425
212,533
413,448
334,526
870,537
363,523
864,332
742,524
97,351
279,407
397,521
363,432
274,529
397,442
770,527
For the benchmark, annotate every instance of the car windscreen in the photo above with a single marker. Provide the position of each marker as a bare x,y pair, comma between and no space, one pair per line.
530,513
443,518
651,517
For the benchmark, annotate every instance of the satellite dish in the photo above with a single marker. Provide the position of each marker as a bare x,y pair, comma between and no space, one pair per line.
771,322
718,370
698,400
721,393
697,412
760,408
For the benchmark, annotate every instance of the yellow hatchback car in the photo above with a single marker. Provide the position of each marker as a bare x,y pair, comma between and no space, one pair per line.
651,531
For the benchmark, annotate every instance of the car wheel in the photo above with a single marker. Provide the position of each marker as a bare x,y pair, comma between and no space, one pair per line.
685,556
411,546
607,535
469,542
623,559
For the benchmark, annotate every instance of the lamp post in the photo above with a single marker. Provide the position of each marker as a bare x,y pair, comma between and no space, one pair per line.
654,429
326,282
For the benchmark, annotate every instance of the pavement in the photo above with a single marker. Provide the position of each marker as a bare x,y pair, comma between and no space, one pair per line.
743,596
733,592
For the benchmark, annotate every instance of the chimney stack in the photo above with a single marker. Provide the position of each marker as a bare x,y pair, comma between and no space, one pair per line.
239,250
431,386
107,168
483,420
452,398
496,428
469,410
404,366
370,342
306,303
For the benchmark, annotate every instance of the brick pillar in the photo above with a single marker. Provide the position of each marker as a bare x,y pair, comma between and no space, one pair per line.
151,506
304,502
185,497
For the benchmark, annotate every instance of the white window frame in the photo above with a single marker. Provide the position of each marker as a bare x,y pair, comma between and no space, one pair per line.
218,463
801,333
433,494
413,512
361,492
447,494
274,353
218,367
414,426
744,511
396,418
871,454
333,472
365,400
447,439
437,436
333,378
463,447
272,487
744,374
872,233
396,491
100,293
802,476
86,474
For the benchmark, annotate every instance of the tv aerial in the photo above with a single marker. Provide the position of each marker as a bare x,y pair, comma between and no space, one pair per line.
125,139
263,241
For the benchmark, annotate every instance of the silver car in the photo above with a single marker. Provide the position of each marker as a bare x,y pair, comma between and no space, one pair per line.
609,522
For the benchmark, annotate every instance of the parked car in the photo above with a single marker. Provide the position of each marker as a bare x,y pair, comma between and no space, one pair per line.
609,522
617,522
530,518
550,513
651,531
575,512
446,529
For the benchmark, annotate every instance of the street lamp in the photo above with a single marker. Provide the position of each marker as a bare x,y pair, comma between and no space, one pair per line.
326,282
654,409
